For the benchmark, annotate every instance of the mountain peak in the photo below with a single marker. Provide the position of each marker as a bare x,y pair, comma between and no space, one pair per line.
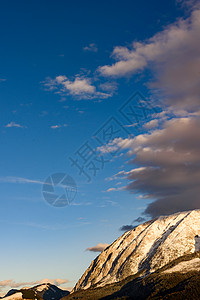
46,291
145,249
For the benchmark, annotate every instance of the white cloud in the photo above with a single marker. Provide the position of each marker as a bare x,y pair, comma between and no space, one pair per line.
128,62
156,49
81,87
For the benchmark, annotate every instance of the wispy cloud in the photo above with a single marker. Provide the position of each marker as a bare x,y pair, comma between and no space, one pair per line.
58,126
91,48
116,144
43,113
108,86
114,189
13,124
12,179
81,203
98,248
13,284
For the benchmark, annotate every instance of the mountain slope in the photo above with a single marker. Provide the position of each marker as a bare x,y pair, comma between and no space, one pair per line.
144,249
180,279
174,282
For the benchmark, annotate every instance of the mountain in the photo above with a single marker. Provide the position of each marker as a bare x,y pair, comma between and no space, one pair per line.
44,291
178,280
11,292
144,249
159,259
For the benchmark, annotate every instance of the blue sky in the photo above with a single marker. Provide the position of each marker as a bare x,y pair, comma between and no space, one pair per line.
66,68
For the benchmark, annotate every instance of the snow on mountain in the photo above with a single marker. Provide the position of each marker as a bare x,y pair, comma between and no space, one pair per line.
145,249
41,287
44,291
16,296
185,266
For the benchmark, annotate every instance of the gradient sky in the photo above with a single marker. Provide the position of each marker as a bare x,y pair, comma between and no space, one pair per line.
66,67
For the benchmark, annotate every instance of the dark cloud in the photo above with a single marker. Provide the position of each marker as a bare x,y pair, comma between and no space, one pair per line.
130,227
127,227
169,161
187,200
139,220
168,166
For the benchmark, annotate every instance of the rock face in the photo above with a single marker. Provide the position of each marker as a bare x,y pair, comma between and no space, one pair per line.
144,249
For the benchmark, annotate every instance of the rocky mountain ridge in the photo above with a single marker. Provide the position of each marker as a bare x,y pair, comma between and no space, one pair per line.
144,249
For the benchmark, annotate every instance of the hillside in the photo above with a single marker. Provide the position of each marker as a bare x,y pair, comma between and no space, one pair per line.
144,249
